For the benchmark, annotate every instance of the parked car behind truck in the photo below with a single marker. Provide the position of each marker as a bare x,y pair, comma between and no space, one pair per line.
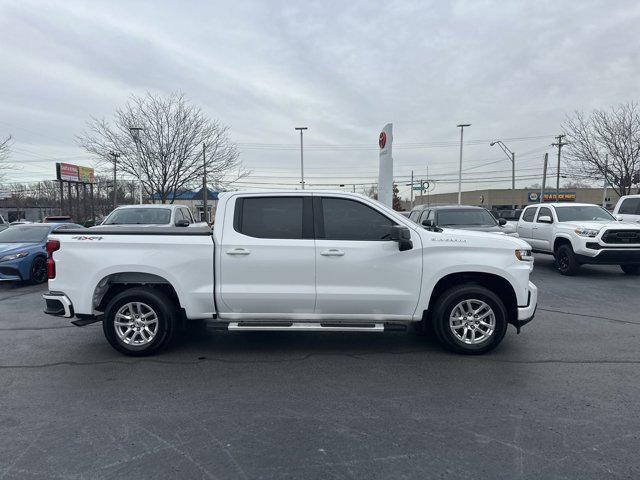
293,260
580,233
159,215
22,251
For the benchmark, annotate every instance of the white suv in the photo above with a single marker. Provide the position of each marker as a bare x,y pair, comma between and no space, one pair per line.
628,208
579,233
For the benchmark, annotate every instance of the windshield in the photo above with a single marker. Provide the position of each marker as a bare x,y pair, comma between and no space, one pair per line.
476,216
24,234
583,212
139,216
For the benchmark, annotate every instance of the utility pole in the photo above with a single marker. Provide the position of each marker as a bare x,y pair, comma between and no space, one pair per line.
559,144
301,156
205,192
604,187
411,202
461,127
115,186
135,133
544,177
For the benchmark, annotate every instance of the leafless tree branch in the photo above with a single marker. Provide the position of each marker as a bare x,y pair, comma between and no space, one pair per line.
614,133
170,148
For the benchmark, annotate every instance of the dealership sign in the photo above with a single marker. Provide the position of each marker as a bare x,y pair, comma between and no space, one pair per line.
552,197
74,173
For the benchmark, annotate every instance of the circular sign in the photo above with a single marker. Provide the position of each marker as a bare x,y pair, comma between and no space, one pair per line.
382,139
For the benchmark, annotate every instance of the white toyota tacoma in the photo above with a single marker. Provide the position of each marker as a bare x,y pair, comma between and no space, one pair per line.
293,260
579,233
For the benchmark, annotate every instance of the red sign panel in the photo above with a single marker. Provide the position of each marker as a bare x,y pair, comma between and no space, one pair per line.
382,140
68,172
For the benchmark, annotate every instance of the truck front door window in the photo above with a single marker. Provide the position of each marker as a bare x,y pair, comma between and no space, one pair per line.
351,220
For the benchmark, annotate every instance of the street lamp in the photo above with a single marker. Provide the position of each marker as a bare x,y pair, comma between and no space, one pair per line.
512,157
135,133
301,156
461,127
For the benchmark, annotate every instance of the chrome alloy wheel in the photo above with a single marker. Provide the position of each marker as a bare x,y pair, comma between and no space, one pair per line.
136,324
472,321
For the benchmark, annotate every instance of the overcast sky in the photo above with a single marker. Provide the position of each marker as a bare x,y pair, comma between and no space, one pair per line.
344,69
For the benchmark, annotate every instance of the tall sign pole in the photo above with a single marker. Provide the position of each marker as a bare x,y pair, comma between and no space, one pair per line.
461,127
302,129
385,169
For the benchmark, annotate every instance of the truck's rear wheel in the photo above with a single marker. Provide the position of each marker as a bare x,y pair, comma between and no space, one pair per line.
566,260
139,321
470,319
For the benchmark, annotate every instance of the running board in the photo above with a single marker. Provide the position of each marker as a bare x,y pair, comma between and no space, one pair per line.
305,327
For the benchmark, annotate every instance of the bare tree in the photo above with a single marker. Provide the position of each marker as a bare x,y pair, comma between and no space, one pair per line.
615,133
5,150
169,154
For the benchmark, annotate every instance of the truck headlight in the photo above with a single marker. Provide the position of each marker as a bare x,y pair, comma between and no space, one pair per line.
587,232
13,256
524,255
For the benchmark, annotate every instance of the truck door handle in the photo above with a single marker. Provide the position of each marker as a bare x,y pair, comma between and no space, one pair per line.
238,251
332,252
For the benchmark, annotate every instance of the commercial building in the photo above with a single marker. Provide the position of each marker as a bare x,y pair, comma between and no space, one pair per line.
502,198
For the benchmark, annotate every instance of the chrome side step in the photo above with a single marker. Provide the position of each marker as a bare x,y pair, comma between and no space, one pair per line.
305,327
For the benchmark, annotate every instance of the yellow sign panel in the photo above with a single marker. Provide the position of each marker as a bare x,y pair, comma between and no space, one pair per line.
85,174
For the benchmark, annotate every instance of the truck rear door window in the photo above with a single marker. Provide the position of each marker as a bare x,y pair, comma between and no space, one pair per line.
270,217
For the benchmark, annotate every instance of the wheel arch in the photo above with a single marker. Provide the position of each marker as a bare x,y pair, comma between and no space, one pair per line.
559,241
496,283
111,285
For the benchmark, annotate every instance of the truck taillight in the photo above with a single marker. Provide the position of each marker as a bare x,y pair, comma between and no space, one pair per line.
51,246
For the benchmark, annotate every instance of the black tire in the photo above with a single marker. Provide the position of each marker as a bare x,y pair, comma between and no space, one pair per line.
38,271
165,312
445,306
630,269
566,260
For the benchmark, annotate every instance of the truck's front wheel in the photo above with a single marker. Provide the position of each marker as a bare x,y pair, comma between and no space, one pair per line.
139,321
566,260
470,319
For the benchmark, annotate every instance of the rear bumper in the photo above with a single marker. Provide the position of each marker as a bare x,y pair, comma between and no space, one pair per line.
527,312
58,304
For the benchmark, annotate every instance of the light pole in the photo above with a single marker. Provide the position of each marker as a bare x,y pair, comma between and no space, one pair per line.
302,129
135,133
461,127
512,157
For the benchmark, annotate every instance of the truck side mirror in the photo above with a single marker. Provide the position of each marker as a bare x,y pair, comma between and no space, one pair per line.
182,223
402,235
427,223
502,222
619,217
545,219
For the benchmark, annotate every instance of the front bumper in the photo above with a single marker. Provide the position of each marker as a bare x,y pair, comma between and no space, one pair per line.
611,256
58,304
526,313
10,271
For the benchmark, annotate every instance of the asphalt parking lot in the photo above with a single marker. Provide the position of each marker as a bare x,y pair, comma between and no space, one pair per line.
560,400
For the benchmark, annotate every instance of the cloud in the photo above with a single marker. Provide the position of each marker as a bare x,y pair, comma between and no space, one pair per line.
343,69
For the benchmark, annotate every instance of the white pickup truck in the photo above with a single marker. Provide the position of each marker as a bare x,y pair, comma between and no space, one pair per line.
293,260
579,233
